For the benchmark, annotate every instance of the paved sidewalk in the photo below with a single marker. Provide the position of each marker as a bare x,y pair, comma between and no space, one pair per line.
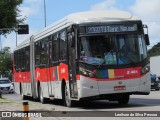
17,105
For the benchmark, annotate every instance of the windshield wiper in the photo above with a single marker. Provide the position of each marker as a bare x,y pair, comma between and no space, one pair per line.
110,52
101,63
133,63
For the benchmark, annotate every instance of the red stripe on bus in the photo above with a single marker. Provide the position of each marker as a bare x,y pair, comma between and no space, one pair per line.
78,77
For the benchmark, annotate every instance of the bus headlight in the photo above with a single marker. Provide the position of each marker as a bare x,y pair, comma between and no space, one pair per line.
145,69
87,73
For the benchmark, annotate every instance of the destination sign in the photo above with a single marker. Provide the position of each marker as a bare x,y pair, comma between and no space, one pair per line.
111,28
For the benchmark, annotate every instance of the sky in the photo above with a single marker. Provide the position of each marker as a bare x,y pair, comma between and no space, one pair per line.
33,10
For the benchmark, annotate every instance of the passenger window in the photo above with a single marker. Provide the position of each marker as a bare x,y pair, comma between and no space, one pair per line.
27,55
54,48
63,46
37,52
23,59
43,52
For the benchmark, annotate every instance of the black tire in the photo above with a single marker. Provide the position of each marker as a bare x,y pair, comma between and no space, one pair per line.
66,100
123,99
41,98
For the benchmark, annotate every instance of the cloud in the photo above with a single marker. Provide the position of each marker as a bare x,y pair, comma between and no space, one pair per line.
106,4
32,1
27,11
30,7
148,11
10,40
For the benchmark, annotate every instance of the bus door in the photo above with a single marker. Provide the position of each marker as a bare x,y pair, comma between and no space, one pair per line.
48,66
72,67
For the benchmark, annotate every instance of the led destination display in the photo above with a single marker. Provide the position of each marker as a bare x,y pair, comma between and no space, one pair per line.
111,28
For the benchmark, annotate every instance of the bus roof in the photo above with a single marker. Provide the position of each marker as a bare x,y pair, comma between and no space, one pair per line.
79,18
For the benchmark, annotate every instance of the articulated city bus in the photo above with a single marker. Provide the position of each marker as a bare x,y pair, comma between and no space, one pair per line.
85,56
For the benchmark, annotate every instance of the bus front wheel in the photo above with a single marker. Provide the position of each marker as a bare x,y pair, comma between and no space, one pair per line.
123,99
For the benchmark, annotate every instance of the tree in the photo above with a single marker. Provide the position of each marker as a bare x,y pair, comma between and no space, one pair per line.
155,50
9,15
5,62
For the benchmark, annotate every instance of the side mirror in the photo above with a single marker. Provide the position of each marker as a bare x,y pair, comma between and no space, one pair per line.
146,37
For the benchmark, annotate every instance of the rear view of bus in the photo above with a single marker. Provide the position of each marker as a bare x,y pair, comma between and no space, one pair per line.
112,56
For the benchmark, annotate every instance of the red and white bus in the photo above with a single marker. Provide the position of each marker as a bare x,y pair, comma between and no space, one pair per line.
86,55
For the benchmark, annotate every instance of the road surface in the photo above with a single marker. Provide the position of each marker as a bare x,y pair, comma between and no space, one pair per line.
138,104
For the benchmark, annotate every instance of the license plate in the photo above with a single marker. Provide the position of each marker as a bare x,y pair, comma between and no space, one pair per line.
118,88
152,83
5,89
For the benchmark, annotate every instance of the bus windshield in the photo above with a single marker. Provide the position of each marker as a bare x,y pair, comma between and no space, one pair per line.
113,49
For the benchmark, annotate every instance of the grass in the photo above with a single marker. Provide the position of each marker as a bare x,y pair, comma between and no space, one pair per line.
5,100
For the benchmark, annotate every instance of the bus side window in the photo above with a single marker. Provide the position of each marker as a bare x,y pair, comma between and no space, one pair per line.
23,59
37,52
54,48
27,55
18,61
43,52
20,58
49,50
63,45
15,60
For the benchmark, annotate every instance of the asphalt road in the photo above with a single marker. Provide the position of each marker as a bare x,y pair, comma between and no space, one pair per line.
140,101
137,103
